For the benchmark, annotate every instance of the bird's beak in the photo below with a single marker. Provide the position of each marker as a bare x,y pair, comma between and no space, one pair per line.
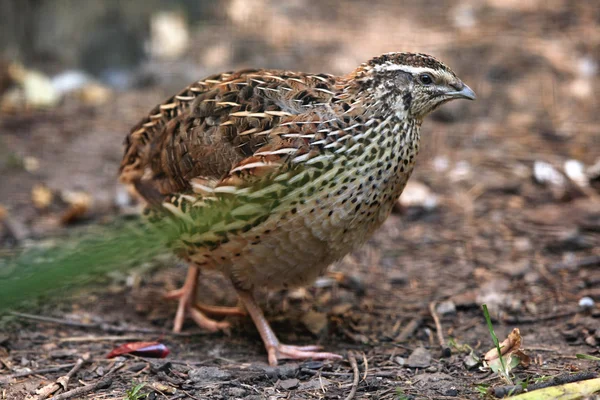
464,93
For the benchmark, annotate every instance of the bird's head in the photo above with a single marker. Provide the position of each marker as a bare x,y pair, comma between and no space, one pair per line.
409,84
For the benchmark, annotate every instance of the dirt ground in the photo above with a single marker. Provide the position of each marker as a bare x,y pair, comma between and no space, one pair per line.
492,233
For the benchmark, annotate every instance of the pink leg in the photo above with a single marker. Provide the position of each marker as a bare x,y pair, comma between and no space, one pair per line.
187,298
278,351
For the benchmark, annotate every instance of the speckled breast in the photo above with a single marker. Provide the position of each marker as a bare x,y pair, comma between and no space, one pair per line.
324,219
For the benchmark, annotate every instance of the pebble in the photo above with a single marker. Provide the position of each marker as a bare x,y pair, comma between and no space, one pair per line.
281,371
586,302
420,358
289,384
204,374
314,384
575,170
401,361
545,174
236,392
470,361
417,194
398,278
446,308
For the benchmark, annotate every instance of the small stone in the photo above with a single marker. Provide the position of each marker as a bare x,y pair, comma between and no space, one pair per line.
204,374
401,361
591,341
314,384
446,308
417,194
545,174
420,358
452,392
431,369
31,164
575,171
470,361
398,278
288,384
571,335
586,302
284,371
236,392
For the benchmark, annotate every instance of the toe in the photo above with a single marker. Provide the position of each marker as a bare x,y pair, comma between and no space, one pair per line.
301,353
206,323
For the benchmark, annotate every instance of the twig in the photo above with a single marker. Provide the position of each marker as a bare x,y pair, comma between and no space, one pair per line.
438,325
366,364
354,365
409,329
62,382
102,327
380,374
189,395
8,378
101,384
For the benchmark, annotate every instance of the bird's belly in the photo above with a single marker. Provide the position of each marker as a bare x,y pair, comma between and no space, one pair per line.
295,246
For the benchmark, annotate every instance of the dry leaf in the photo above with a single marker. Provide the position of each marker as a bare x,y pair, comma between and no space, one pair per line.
511,352
79,204
41,196
315,321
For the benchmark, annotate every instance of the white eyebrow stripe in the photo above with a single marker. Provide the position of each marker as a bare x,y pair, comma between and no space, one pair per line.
405,68
443,74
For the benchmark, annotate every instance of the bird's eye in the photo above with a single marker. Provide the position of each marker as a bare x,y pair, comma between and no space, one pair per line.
425,79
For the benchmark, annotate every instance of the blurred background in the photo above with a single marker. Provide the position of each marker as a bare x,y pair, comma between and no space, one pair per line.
503,207
74,76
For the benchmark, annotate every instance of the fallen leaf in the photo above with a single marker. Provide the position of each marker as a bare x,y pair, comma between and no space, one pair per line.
315,321
510,350
41,196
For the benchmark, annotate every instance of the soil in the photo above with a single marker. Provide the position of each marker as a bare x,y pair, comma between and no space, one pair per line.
495,235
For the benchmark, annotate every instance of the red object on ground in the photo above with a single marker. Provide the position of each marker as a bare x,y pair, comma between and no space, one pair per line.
141,349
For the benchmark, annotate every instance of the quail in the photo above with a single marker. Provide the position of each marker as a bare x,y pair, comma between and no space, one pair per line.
269,176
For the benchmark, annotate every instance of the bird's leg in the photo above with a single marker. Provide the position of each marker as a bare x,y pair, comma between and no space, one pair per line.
187,303
276,350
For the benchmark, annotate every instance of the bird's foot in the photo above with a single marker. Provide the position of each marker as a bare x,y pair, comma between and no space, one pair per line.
278,351
206,308
284,351
187,305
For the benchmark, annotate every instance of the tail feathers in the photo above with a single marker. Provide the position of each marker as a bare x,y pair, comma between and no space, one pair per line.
70,262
